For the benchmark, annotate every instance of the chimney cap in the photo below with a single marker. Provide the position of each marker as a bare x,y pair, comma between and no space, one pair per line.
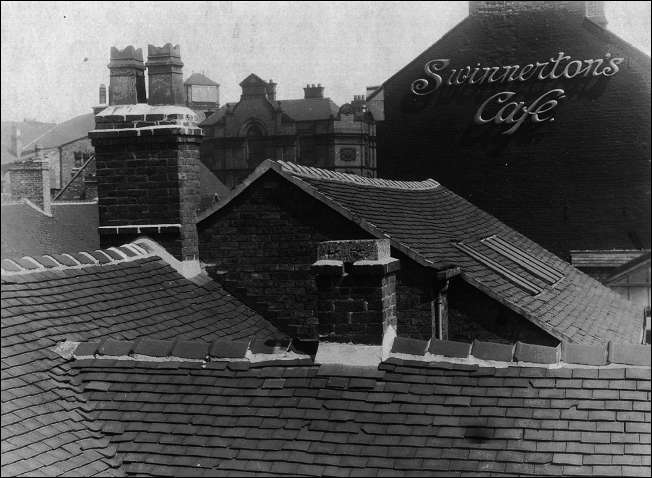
127,53
166,51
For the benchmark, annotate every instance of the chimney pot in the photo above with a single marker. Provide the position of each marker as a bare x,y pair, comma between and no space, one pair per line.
165,72
127,76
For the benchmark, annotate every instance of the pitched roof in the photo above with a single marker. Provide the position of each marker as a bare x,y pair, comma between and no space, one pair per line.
210,187
29,130
631,266
307,109
439,229
131,292
64,133
26,230
604,258
199,79
409,416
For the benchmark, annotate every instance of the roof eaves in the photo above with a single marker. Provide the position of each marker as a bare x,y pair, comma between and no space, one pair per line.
629,266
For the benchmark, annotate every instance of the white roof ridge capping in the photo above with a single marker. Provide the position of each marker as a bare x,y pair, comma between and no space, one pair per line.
329,175
188,268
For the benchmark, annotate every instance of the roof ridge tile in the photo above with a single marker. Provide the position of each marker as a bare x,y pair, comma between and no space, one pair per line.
76,260
521,354
329,175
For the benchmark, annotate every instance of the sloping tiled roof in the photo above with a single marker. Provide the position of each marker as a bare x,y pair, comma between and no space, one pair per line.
406,417
63,133
439,229
199,79
604,258
308,109
125,293
28,231
209,187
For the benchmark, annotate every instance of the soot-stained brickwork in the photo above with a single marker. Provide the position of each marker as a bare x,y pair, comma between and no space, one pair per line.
261,247
581,181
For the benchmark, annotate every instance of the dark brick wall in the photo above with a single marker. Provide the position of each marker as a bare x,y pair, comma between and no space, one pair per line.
150,180
355,307
262,244
475,317
27,182
580,182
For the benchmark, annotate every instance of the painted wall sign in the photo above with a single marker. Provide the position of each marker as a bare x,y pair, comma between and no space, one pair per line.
502,108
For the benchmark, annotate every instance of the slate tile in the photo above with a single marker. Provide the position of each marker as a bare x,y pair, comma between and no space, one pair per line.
153,347
113,347
190,349
405,345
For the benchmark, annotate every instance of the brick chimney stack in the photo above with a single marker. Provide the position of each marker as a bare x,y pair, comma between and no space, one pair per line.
271,90
165,72
17,142
356,286
102,99
127,81
359,104
313,91
148,173
102,94
31,180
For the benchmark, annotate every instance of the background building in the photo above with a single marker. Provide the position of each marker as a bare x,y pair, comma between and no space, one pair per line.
579,179
202,93
575,176
313,131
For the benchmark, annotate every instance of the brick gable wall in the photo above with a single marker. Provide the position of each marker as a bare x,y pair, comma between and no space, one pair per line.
261,247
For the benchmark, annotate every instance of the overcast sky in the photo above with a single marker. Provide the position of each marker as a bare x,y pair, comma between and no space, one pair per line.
54,54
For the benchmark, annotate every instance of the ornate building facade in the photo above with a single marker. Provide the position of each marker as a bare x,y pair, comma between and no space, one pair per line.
312,131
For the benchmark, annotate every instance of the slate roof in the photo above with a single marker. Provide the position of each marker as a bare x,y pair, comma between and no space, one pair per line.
64,133
209,186
437,228
308,109
409,416
126,293
199,79
26,230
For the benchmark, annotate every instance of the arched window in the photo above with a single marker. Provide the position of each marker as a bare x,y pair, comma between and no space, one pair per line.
254,145
254,131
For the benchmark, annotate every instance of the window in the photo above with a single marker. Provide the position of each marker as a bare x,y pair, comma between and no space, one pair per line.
254,146
347,154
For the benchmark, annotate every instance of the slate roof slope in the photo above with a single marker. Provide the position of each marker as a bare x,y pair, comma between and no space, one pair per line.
199,79
407,417
64,133
307,109
126,293
426,221
26,230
